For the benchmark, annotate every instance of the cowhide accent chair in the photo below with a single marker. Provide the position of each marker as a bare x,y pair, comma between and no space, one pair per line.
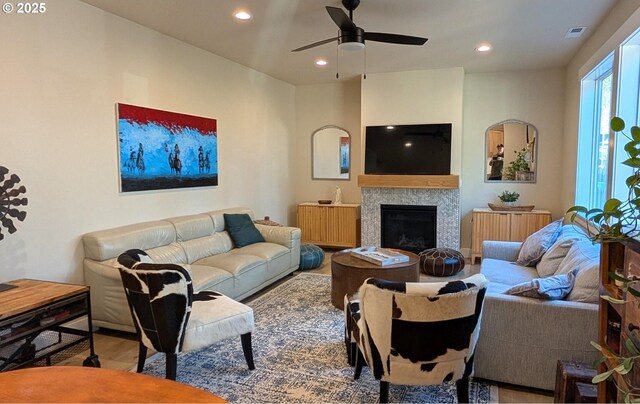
170,318
416,333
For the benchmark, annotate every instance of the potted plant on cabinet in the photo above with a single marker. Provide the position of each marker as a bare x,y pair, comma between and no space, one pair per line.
508,198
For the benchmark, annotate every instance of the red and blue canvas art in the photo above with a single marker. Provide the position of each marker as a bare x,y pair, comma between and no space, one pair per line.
165,150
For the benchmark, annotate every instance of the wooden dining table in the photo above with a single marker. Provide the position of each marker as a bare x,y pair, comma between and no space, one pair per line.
77,384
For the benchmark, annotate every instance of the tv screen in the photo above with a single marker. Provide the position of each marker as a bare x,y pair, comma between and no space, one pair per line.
408,149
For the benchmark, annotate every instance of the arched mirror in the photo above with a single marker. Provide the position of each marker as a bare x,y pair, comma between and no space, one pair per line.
511,152
330,154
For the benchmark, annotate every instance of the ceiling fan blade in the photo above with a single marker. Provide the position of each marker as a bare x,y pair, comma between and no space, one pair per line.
313,45
394,38
341,19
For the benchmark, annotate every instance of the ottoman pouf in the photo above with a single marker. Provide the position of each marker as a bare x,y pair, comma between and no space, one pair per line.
441,261
311,256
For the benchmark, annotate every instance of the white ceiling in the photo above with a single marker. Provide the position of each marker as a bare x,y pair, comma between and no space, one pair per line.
525,34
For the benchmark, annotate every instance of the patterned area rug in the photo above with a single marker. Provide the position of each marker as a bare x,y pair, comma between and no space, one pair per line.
299,356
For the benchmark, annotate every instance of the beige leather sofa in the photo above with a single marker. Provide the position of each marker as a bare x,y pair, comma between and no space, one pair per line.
199,241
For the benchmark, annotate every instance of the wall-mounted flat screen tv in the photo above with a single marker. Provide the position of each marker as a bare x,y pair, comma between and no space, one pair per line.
408,149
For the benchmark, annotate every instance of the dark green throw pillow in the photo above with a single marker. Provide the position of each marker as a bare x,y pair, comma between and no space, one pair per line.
241,229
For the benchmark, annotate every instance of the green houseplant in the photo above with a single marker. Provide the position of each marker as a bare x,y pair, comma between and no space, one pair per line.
618,220
508,197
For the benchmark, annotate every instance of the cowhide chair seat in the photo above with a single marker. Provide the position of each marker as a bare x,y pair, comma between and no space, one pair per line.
170,318
415,333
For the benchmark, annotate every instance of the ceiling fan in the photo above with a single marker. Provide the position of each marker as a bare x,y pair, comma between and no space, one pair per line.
352,37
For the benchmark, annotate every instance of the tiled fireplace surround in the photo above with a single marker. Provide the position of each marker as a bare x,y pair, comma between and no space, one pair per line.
447,202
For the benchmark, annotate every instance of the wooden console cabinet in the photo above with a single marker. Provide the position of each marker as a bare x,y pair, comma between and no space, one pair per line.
330,225
619,323
504,226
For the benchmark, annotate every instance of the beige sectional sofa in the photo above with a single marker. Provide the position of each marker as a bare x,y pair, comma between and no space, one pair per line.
522,338
201,242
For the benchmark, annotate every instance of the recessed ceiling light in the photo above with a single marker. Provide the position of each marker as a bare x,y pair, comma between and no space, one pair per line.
242,15
483,48
408,144
321,62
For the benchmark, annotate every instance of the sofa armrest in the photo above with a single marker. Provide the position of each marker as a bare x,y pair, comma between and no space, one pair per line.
286,236
109,305
535,332
501,250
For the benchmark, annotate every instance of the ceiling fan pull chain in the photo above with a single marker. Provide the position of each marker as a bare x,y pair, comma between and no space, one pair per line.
365,63
337,63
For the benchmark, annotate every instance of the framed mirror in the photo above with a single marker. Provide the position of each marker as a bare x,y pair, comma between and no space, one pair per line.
330,154
511,152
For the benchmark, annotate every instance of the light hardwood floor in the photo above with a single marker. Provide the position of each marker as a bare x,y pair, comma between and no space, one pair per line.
119,350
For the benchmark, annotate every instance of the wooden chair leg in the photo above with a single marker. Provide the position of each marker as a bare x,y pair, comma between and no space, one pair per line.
142,357
462,389
384,392
172,365
359,360
247,349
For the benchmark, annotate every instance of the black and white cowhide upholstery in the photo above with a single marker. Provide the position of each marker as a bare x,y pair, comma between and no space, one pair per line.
170,318
418,333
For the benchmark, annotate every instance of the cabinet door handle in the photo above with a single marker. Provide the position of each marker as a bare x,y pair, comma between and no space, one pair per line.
632,327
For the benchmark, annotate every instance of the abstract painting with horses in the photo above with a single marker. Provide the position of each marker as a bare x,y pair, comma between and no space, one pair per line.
163,150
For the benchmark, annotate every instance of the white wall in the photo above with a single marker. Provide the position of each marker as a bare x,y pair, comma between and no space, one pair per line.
619,24
535,96
63,72
317,106
416,97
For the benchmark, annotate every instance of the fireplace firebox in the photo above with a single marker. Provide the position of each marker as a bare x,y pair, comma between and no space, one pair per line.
408,227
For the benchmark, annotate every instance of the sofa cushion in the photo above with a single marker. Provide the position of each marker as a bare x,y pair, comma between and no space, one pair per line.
104,244
506,273
538,243
241,229
234,263
550,261
584,256
192,226
552,287
209,278
268,251
206,246
169,253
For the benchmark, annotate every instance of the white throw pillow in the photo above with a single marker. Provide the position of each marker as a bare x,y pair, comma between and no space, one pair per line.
538,243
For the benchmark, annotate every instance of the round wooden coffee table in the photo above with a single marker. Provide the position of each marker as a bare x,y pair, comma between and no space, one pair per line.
74,384
348,273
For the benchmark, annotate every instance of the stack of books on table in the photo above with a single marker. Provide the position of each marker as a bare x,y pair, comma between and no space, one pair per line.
378,256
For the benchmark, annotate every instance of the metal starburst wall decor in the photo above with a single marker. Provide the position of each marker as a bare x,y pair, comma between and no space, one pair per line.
9,200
